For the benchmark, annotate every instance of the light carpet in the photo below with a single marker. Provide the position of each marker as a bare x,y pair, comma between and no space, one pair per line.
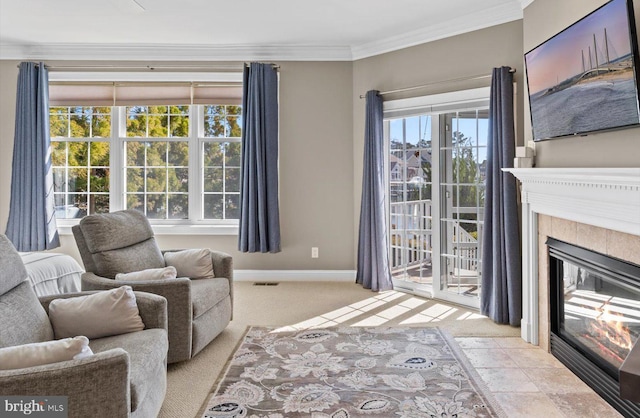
303,305
350,371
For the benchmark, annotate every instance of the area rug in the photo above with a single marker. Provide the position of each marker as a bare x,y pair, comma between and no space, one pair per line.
350,372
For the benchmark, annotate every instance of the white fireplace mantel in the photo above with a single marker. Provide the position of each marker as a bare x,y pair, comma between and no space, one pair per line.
604,197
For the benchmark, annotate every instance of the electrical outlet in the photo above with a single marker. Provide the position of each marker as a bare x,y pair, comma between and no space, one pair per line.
314,252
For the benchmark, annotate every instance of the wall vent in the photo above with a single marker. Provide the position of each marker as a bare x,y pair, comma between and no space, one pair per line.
266,284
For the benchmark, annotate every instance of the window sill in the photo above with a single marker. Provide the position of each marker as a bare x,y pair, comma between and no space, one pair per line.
176,229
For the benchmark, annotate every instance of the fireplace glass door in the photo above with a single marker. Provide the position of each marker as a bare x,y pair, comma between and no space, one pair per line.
598,313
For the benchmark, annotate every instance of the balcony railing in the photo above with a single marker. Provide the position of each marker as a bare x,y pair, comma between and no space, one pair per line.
411,238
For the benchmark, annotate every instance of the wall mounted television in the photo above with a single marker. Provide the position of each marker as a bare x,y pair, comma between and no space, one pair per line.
585,78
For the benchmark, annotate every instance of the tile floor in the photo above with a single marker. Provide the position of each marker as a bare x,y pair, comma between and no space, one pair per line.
529,382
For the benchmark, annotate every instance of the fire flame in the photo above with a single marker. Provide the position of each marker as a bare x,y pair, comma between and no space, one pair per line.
609,328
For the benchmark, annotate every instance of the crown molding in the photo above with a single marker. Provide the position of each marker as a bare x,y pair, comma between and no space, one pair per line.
462,24
140,52
118,52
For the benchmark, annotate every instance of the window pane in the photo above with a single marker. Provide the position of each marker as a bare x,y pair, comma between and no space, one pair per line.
179,154
232,206
233,127
58,153
156,153
213,154
232,180
101,126
135,153
178,179
79,201
179,125
78,153
135,179
178,206
99,154
156,206
156,180
135,201
179,110
158,126
136,122
80,126
99,180
59,184
232,154
214,126
99,203
213,206
77,180
213,179
58,122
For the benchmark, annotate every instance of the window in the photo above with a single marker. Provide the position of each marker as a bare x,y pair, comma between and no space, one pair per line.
157,161
221,162
80,160
178,164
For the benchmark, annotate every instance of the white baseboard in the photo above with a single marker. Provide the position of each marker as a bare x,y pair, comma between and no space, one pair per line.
294,275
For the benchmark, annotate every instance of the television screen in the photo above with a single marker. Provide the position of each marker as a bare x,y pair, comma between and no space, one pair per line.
584,79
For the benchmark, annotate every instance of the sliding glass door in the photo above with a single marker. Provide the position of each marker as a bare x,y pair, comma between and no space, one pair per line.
436,186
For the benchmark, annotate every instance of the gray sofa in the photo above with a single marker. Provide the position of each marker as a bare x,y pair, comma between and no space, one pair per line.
123,242
126,377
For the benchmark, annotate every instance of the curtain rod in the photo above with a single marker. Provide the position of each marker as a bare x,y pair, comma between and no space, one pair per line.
147,67
479,77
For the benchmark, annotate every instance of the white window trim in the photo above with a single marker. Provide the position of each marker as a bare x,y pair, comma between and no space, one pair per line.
165,227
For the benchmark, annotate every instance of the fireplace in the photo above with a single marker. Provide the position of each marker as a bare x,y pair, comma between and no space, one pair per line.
595,317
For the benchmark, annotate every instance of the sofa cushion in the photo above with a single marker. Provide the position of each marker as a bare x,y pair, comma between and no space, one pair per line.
47,352
109,231
141,256
149,274
101,314
195,263
207,293
23,320
147,351
13,271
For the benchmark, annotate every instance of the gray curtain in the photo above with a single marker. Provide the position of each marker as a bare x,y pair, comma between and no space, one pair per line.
501,295
373,261
32,224
259,209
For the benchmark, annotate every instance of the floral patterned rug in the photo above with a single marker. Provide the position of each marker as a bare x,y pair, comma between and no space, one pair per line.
350,372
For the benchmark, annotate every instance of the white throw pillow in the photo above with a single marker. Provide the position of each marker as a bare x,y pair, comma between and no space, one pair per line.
149,274
195,264
37,354
110,312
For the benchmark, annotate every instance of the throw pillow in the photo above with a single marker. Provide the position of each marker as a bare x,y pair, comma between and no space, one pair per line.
149,274
37,354
110,312
195,264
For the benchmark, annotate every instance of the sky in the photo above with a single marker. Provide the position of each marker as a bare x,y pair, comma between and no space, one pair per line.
561,58
419,127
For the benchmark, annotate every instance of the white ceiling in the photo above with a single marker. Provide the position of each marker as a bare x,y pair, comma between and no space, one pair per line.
236,29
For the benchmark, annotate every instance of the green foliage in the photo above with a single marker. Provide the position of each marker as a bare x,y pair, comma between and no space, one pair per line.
156,171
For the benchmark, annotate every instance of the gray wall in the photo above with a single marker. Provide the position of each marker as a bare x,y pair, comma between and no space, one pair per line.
316,175
543,19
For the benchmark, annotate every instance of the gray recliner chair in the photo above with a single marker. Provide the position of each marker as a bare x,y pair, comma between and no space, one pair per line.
126,376
123,242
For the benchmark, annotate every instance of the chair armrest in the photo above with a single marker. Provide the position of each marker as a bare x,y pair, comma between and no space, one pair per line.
179,309
97,386
223,267
152,307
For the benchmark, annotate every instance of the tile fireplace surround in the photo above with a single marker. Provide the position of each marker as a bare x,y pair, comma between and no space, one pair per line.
595,208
